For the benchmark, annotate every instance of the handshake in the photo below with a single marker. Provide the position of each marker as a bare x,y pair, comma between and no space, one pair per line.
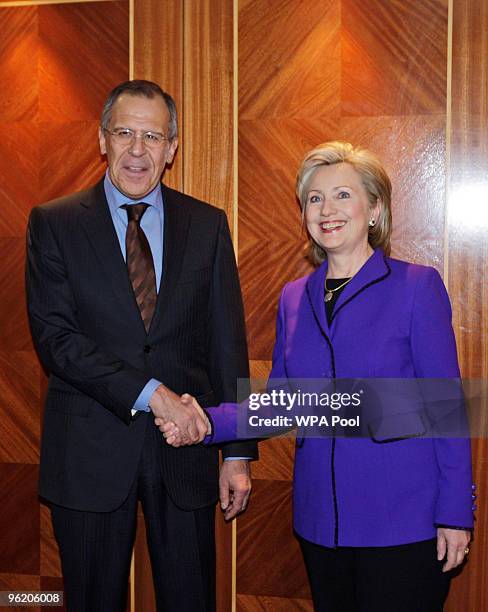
181,420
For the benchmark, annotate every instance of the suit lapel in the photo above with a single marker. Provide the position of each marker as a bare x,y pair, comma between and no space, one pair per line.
315,293
101,234
176,224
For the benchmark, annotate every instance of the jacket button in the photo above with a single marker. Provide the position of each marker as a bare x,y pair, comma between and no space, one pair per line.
147,348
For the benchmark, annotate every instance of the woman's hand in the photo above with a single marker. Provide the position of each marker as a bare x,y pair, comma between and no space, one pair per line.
454,542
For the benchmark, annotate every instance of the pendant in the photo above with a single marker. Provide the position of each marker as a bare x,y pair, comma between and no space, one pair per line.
328,296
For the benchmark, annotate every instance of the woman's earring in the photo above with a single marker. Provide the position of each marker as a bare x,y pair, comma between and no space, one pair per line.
372,222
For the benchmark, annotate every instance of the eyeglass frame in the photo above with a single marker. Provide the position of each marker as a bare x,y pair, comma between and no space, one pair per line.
141,136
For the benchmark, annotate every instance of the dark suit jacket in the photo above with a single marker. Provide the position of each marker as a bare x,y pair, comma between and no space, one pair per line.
90,337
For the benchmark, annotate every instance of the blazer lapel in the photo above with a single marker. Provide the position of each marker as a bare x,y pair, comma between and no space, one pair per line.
176,224
373,271
315,294
101,234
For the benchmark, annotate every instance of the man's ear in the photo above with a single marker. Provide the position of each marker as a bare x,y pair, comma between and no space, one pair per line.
173,145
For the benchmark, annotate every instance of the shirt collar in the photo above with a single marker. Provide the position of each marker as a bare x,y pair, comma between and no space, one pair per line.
116,198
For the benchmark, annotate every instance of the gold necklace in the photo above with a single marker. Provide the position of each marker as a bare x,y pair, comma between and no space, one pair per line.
329,293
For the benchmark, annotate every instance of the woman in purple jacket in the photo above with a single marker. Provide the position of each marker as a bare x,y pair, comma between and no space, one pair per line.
381,522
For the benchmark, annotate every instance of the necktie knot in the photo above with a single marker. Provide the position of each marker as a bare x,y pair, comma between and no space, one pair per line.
135,211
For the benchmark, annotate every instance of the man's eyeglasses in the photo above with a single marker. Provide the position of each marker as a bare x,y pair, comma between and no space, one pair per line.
125,136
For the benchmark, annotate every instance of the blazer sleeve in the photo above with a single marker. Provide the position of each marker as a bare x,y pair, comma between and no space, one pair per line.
434,355
228,358
63,348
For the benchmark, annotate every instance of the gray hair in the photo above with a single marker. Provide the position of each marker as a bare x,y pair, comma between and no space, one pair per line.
146,89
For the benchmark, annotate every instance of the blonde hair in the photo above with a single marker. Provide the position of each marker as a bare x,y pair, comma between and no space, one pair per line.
373,177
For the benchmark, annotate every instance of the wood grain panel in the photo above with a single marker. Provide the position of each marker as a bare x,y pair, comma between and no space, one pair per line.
81,39
19,158
144,590
289,58
85,164
269,560
252,603
52,584
259,370
394,57
208,102
468,256
272,242
19,582
19,98
158,56
50,561
14,328
19,406
20,515
276,457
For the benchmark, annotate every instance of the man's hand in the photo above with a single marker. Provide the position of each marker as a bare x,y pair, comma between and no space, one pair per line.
455,543
188,418
234,486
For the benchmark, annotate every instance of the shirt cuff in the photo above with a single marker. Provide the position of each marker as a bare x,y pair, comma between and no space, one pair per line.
238,459
142,402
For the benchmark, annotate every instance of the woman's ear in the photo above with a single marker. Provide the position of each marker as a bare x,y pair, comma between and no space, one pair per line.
376,209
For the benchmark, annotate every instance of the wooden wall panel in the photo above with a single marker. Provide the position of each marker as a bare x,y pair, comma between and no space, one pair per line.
208,102
468,256
289,58
58,63
83,39
269,560
252,603
394,57
19,41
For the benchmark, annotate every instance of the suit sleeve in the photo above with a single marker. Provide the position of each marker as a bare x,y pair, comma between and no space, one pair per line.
62,347
435,357
227,334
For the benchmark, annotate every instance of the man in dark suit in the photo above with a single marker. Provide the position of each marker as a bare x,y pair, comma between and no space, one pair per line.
134,297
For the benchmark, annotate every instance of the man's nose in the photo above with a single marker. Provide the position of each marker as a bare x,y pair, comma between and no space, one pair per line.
137,146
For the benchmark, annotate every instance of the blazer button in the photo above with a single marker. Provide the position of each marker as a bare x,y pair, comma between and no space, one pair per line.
147,348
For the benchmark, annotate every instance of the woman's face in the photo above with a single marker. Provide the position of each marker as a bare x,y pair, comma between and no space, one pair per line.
338,211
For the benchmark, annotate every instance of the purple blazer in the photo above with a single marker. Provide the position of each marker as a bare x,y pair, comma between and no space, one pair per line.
393,320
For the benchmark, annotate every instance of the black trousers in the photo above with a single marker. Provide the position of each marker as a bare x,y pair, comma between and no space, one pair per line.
405,578
96,547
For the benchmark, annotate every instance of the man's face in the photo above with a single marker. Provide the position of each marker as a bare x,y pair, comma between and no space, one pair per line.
134,168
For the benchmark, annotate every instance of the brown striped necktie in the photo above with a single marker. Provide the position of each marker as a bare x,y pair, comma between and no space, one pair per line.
140,263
